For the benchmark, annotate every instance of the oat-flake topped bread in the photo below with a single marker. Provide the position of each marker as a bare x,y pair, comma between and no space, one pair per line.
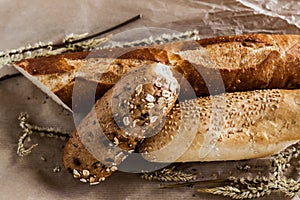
130,111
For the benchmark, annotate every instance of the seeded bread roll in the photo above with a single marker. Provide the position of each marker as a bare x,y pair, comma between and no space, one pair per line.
130,111
233,126
230,63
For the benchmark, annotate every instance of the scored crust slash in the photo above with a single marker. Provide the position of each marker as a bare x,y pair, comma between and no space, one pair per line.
256,104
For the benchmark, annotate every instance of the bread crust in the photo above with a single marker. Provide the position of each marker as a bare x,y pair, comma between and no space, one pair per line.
237,63
124,116
245,125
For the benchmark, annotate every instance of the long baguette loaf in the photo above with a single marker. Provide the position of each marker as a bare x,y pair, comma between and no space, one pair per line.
241,63
234,126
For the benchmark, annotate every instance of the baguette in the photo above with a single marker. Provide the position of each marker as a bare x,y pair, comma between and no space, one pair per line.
106,136
248,125
254,124
96,75
240,63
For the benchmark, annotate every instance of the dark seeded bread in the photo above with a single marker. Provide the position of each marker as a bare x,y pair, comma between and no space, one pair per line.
130,111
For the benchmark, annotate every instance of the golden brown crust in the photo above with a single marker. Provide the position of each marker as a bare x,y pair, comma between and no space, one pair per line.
242,63
51,64
55,64
243,39
252,124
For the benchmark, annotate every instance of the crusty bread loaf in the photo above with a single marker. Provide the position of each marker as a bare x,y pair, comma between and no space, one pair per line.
255,123
233,126
127,113
241,63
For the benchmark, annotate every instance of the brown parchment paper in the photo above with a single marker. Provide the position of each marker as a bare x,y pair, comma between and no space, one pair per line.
27,22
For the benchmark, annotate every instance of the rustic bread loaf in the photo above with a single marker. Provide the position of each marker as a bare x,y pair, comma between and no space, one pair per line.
211,66
130,111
